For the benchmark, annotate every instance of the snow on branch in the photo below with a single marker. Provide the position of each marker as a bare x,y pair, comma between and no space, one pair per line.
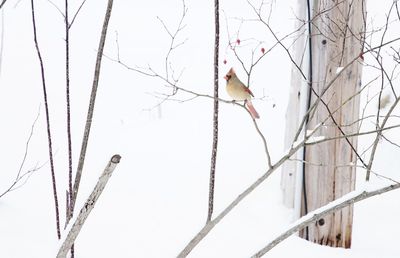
73,231
344,201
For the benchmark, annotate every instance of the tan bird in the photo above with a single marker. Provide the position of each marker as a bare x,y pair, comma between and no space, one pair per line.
238,91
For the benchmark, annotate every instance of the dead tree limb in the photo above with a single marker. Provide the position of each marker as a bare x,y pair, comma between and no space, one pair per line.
87,207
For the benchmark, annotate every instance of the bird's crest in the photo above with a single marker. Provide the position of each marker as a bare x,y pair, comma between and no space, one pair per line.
230,73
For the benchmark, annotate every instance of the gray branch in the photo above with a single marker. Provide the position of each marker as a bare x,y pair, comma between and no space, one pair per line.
2,3
91,104
87,207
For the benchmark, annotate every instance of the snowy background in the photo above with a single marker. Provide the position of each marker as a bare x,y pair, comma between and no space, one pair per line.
157,198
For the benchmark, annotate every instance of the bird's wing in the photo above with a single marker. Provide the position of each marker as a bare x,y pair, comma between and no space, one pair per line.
248,90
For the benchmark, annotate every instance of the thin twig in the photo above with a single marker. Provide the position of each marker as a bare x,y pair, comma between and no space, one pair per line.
76,13
379,175
172,44
350,135
391,142
58,8
376,141
269,162
19,177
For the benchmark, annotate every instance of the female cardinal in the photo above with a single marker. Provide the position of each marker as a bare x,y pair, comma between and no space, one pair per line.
238,91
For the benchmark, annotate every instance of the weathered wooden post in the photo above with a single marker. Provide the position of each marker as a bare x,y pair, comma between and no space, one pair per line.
337,30
292,170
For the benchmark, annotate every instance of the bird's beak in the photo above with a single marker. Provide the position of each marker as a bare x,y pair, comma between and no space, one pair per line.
226,77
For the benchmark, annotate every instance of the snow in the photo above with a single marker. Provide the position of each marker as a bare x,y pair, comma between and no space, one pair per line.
316,127
156,200
339,69
310,140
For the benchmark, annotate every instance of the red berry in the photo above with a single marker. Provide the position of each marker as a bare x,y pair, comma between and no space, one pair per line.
262,50
224,61
238,41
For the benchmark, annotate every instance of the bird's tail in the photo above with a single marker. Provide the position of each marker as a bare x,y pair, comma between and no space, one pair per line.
252,110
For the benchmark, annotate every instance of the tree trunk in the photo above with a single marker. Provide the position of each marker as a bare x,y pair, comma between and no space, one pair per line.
329,171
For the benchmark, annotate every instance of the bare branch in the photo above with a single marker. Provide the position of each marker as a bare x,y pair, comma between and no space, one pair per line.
69,208
269,163
173,35
375,144
349,135
344,201
391,142
91,103
215,114
53,177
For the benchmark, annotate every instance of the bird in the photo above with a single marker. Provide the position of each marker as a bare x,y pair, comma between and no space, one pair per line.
239,92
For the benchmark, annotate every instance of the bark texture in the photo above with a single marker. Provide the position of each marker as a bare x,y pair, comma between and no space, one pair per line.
87,207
